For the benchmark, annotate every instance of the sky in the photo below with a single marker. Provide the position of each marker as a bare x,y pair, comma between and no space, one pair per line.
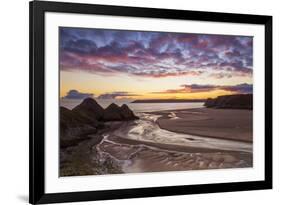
114,64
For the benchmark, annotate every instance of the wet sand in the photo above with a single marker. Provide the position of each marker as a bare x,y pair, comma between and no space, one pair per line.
219,123
136,157
142,146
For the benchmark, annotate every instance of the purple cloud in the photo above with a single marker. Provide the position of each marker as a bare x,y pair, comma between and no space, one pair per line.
75,94
116,94
243,88
154,54
240,88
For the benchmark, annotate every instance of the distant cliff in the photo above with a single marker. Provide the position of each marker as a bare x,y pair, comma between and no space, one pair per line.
239,101
168,100
87,118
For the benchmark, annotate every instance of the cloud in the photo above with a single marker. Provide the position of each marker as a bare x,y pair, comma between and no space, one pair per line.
240,88
195,88
116,94
220,75
154,54
243,88
81,46
161,74
75,94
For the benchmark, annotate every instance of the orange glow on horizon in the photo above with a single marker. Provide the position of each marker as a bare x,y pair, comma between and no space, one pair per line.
141,87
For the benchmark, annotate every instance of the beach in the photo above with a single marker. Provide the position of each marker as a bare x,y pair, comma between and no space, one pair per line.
229,124
171,140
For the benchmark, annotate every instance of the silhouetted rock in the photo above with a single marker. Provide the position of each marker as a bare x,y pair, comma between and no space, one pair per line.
112,113
127,114
210,102
74,127
115,113
239,101
90,109
88,117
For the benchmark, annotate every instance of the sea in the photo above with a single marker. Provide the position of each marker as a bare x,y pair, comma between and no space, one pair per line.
136,107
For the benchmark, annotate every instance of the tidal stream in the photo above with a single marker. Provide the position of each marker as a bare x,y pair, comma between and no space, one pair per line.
142,146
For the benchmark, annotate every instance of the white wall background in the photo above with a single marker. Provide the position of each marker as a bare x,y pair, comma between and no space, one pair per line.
14,100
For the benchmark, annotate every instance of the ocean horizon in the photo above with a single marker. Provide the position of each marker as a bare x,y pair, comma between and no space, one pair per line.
136,107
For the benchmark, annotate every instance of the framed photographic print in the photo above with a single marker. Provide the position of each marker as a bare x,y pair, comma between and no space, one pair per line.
140,102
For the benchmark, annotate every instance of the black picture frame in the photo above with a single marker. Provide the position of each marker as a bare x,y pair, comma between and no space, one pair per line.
37,9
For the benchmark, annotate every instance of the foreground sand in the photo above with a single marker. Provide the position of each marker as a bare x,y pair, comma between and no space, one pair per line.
136,157
220,123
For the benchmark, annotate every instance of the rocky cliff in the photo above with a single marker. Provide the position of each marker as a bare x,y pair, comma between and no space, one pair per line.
90,109
87,118
115,113
239,101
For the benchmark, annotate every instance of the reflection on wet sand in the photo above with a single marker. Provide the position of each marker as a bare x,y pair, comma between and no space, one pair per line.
142,146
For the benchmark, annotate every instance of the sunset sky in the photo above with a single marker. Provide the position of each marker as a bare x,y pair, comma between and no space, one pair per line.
110,64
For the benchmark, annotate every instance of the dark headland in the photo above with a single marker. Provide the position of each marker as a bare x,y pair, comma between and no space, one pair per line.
88,118
239,101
